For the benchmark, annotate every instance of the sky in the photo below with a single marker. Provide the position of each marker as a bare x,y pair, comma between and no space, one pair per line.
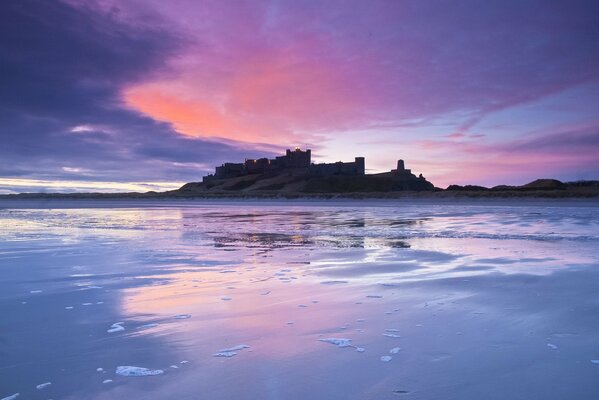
137,95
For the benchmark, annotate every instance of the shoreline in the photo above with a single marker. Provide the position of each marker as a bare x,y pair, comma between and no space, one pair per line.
166,202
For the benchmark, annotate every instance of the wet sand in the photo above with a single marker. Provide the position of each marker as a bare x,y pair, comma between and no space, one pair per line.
296,300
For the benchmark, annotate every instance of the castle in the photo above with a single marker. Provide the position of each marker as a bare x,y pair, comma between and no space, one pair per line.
298,162
294,161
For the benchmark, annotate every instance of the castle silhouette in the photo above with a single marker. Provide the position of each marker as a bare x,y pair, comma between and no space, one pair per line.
298,162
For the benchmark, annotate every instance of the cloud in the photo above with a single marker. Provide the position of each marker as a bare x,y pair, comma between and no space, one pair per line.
163,91
63,69
567,152
278,70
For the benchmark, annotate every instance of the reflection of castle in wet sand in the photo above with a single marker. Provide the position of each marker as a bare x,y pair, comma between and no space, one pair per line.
295,171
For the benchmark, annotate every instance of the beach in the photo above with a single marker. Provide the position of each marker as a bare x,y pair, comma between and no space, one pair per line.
415,299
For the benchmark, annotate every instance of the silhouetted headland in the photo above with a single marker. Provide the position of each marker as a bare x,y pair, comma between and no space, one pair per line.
293,175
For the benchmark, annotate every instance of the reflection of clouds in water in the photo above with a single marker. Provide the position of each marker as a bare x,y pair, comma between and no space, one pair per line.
438,275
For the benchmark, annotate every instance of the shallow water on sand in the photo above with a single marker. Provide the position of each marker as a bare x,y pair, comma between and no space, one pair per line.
231,300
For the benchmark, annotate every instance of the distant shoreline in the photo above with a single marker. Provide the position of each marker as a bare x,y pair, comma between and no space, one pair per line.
430,203
539,189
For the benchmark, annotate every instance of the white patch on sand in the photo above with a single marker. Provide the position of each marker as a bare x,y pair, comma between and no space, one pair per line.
551,346
35,291
226,354
183,362
226,298
107,381
69,307
339,342
360,349
182,316
146,326
127,370
116,327
386,358
86,304
174,366
391,335
232,351
43,385
11,397
236,348
595,362
100,369
394,350
99,302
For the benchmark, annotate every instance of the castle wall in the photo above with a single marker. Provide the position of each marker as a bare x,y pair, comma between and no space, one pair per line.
257,166
339,168
296,161
230,170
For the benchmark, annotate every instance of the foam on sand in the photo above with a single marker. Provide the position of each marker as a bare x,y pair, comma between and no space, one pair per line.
339,342
127,370
231,351
11,397
386,358
116,327
394,350
182,316
43,385
146,326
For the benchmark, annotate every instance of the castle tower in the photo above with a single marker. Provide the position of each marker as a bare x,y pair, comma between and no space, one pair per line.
360,165
400,165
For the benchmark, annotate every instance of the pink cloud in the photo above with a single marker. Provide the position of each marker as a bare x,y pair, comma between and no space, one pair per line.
313,73
565,151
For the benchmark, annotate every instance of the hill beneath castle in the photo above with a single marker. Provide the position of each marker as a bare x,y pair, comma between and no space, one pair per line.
290,182
366,187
